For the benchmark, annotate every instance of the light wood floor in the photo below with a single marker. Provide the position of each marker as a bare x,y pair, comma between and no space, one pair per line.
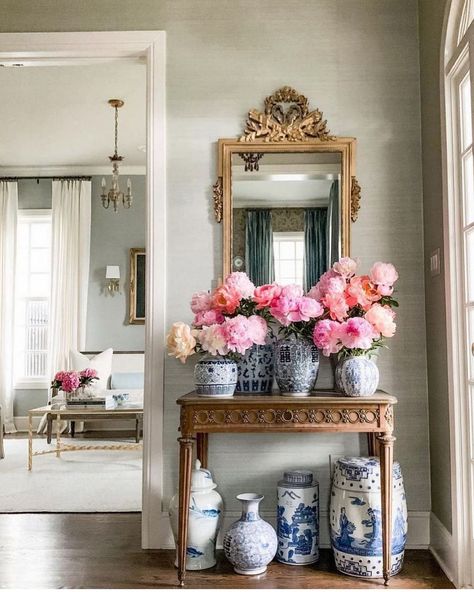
103,551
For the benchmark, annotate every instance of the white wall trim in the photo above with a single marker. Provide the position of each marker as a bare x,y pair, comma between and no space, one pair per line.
442,546
36,48
418,529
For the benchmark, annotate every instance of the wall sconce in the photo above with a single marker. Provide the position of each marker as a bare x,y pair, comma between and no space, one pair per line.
112,274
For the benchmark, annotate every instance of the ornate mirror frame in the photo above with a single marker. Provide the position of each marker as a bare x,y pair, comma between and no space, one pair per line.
295,130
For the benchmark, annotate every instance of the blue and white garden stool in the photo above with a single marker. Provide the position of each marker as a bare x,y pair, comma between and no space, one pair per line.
355,517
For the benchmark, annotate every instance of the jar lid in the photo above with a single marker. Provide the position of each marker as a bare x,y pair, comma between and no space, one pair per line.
201,478
297,478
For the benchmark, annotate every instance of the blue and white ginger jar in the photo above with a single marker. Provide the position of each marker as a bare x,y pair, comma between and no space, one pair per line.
215,376
355,518
298,518
296,366
357,376
205,518
255,369
250,543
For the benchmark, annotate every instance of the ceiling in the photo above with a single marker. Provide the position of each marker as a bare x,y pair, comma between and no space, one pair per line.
58,116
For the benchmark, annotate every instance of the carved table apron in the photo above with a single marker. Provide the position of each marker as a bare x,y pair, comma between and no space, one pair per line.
323,412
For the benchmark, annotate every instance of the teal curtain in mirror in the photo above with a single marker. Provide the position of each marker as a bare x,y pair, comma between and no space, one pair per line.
333,225
315,245
259,247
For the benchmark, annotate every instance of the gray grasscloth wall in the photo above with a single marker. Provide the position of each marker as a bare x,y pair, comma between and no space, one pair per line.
431,17
358,61
112,235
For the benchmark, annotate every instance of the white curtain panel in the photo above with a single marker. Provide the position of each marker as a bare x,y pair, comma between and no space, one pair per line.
70,269
8,224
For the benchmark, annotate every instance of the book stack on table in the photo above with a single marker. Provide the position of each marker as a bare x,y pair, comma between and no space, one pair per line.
107,402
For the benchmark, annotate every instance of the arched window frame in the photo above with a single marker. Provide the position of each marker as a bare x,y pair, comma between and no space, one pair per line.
457,76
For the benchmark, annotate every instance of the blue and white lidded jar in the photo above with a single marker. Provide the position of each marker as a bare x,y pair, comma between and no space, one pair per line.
357,376
355,517
255,370
298,518
250,543
205,518
215,376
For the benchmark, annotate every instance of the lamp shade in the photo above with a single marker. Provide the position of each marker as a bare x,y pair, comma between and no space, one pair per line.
112,272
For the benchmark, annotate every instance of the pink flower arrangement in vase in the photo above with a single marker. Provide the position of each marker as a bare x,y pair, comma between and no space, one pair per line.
358,316
70,381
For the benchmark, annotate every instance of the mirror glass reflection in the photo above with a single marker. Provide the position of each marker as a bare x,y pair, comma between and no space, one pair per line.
286,216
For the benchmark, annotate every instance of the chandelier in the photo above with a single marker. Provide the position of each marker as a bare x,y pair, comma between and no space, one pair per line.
114,195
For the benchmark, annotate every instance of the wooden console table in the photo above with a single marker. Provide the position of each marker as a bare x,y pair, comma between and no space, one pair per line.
323,412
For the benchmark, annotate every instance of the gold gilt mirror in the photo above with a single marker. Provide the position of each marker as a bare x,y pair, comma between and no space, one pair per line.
286,193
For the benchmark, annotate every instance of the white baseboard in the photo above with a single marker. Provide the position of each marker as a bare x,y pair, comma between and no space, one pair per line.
21,423
418,530
442,546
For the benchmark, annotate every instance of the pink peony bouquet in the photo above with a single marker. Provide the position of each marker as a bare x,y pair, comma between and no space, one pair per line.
358,311
70,380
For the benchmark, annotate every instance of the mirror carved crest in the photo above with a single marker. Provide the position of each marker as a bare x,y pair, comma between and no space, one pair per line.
286,118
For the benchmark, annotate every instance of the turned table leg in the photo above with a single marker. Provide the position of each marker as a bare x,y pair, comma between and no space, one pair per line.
386,480
185,467
202,441
58,435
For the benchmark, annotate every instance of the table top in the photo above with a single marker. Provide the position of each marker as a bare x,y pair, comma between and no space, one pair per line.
318,397
122,410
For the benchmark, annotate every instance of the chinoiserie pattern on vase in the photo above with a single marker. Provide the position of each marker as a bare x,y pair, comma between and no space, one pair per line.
205,518
215,376
357,376
296,366
355,517
256,369
250,543
298,518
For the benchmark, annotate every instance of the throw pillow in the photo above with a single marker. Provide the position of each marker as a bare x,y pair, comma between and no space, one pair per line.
101,362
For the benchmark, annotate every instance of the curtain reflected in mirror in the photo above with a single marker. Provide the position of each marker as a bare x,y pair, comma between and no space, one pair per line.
286,217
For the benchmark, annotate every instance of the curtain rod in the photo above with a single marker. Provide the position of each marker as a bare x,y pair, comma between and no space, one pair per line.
38,177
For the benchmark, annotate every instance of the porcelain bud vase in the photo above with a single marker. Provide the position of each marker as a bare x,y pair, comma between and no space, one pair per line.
255,370
250,543
296,366
298,518
357,376
205,518
355,517
215,376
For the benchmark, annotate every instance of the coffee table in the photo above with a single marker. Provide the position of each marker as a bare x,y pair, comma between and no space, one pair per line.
58,413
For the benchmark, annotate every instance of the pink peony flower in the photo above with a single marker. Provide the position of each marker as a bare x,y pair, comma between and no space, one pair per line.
345,267
239,281
381,318
356,333
361,291
321,288
326,337
88,373
70,381
201,302
309,309
237,334
257,329
384,275
59,376
208,317
181,341
265,295
337,305
213,340
292,291
226,299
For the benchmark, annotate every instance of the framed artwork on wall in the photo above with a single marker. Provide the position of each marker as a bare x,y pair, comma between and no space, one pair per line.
137,286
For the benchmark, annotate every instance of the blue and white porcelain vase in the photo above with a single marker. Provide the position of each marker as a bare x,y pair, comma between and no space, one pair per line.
215,376
298,518
250,543
355,517
357,376
255,369
205,518
296,366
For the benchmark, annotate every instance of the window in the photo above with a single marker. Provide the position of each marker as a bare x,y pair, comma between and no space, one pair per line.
288,255
32,296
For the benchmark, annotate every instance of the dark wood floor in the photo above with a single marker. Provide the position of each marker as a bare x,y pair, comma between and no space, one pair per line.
103,551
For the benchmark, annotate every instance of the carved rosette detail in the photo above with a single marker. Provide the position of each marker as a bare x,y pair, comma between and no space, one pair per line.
218,194
389,415
355,199
285,416
286,118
